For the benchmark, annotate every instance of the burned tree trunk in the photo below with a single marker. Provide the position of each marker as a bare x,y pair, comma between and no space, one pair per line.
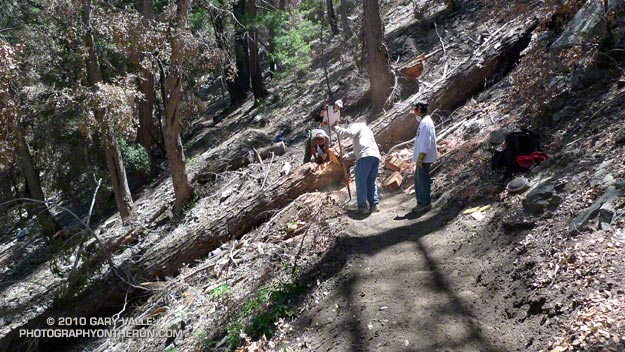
48,224
380,77
241,81
218,27
334,28
256,71
114,161
171,130
347,31
147,133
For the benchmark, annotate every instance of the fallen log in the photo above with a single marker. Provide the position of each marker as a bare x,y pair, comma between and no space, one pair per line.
106,293
237,159
493,57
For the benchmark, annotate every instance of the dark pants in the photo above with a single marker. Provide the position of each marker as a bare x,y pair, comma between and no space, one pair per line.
422,184
366,172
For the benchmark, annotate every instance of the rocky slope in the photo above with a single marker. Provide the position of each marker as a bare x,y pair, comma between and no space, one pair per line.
540,270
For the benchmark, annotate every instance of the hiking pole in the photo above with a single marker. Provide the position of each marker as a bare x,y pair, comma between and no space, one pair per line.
342,161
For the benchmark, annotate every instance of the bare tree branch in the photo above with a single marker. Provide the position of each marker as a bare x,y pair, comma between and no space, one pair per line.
108,256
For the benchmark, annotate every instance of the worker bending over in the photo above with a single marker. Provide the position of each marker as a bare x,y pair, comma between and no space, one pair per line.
367,162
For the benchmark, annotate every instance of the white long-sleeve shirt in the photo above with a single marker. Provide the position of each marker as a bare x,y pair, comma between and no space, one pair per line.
330,117
425,141
364,142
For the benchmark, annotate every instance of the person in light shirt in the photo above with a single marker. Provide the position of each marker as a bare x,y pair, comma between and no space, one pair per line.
330,115
424,154
367,163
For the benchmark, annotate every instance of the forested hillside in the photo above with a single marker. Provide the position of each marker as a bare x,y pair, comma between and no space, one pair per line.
153,195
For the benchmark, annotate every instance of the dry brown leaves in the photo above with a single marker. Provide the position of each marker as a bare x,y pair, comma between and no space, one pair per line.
263,345
599,323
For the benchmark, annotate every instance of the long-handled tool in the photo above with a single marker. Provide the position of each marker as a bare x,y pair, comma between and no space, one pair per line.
342,162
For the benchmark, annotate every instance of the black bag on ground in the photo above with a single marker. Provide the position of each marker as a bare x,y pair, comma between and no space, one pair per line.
523,142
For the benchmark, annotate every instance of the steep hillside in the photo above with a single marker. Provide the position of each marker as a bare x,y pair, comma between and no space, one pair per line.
272,256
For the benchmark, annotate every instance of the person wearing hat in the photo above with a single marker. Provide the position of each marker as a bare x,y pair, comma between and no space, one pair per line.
424,154
318,146
330,114
367,163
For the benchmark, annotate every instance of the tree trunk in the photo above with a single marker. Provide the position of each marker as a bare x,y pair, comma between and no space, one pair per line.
256,71
237,158
47,222
107,293
241,84
173,142
113,155
147,134
115,165
347,31
218,27
334,28
380,77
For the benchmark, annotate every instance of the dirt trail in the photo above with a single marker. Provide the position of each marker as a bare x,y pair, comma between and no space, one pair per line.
402,288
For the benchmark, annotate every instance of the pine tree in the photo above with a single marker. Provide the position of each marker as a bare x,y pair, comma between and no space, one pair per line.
380,76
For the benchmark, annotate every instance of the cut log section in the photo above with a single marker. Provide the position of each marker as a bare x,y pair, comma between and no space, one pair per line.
414,68
394,181
394,163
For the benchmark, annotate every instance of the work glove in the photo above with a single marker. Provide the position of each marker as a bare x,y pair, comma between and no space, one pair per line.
420,160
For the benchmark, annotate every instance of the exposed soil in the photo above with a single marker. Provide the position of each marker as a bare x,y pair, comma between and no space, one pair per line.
409,284
331,280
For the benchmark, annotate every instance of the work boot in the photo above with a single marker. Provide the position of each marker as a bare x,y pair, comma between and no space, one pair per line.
363,211
422,208
374,208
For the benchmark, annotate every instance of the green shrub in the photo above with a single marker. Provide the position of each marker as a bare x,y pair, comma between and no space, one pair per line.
135,155
291,41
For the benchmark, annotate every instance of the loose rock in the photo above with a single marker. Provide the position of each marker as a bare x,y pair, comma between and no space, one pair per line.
542,197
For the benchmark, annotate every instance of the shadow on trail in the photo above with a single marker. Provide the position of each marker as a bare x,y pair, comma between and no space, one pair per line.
354,329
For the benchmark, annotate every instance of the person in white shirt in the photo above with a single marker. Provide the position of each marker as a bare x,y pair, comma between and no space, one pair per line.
367,163
424,154
331,115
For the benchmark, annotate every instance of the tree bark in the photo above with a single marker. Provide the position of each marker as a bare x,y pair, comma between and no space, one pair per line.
334,28
236,159
218,27
380,77
147,134
112,152
241,83
256,71
347,31
171,130
46,220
